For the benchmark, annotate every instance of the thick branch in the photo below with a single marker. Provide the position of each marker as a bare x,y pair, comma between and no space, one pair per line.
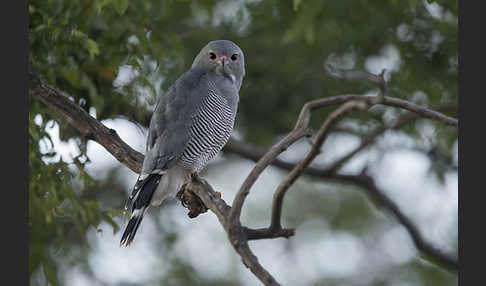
95,130
84,123
237,235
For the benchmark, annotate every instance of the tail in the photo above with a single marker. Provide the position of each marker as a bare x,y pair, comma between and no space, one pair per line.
140,199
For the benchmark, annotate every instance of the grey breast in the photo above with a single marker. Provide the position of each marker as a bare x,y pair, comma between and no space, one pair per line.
211,128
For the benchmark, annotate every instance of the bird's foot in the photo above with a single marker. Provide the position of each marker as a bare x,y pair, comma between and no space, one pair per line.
191,201
182,195
195,176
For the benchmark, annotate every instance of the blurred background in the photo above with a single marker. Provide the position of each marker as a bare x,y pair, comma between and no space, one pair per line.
116,57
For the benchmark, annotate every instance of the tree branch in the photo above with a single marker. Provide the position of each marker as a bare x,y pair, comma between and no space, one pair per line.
229,217
88,126
379,196
237,235
315,150
95,130
316,147
370,138
301,129
427,249
395,102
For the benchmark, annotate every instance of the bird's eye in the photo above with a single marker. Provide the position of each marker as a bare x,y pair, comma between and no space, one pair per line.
212,56
234,57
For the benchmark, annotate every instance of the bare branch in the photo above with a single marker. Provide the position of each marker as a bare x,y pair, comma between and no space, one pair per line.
300,130
369,139
422,111
228,217
378,195
265,233
315,150
250,152
95,130
237,235
379,79
84,123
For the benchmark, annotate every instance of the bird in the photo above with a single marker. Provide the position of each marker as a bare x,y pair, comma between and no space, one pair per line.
190,125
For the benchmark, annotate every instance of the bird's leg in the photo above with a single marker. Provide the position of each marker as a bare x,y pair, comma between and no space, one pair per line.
182,195
195,176
190,200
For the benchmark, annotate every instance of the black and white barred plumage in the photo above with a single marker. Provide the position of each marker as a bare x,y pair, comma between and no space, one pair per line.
190,125
211,129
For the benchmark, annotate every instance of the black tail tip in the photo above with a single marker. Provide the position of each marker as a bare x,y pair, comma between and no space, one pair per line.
130,231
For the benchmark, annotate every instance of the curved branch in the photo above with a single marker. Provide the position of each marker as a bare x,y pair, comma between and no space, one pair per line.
95,130
85,123
370,138
395,102
420,110
379,196
316,147
315,150
237,235
301,129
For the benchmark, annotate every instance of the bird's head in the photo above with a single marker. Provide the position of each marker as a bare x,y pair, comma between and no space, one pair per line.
224,58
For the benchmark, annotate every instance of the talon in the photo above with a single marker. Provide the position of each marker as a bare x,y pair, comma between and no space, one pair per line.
191,201
194,176
186,196
183,196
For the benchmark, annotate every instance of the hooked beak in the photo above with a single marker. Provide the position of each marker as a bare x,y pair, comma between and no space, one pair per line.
223,60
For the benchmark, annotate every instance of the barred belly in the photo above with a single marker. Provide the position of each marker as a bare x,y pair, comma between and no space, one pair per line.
210,130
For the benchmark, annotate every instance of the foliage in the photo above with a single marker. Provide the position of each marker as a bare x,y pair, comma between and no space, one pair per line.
117,56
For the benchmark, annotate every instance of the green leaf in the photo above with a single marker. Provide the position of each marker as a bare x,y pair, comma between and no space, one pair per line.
296,4
100,4
78,34
120,6
50,271
40,28
92,47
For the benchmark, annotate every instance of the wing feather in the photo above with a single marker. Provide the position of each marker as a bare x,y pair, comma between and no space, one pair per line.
171,121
